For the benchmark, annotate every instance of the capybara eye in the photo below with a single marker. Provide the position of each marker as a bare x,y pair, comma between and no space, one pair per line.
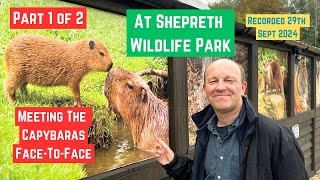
91,44
129,86
101,53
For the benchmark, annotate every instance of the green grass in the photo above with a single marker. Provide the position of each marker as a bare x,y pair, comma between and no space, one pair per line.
108,28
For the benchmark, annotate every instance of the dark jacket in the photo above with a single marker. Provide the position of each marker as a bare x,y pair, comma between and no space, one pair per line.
268,150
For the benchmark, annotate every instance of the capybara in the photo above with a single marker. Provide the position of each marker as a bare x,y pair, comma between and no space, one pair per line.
273,77
43,61
147,116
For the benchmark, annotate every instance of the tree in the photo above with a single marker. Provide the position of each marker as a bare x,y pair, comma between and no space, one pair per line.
243,7
308,35
224,4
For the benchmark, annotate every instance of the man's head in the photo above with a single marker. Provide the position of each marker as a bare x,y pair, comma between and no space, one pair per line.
243,74
224,85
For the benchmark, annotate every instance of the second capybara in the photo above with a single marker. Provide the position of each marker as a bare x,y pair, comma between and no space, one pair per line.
147,116
44,61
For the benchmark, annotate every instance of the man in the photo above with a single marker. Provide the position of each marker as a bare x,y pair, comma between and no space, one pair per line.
234,142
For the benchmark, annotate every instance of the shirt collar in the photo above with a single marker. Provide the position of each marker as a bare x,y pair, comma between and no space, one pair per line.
212,123
236,121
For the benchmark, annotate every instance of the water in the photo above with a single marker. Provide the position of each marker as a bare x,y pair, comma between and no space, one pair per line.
121,152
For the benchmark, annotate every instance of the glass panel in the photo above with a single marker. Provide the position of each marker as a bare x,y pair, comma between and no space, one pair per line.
196,98
139,101
138,97
272,82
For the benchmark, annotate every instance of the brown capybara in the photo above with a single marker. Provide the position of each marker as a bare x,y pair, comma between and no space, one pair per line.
147,116
43,61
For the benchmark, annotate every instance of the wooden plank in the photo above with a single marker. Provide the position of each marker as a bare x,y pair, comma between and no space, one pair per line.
305,138
305,123
142,174
253,74
317,168
245,40
317,146
313,82
308,161
317,132
306,146
318,112
298,118
317,122
317,157
148,166
313,105
274,45
305,130
307,153
290,86
309,171
307,115
178,105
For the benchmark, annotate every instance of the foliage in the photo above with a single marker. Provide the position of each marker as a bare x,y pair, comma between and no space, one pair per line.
309,35
224,4
265,54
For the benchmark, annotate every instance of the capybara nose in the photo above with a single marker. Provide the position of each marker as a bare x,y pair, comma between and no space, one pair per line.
110,66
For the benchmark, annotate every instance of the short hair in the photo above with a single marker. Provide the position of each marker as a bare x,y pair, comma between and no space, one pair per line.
243,74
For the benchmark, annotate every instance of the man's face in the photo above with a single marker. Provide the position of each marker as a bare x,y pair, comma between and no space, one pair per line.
223,85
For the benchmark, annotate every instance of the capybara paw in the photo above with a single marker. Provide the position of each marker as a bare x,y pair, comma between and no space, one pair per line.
79,104
11,98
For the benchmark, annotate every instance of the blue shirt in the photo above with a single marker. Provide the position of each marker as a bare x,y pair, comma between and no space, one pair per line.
222,156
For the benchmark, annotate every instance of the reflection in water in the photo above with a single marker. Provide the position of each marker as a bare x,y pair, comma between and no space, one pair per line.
121,152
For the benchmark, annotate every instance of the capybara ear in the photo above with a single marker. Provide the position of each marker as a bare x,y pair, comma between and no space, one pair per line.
91,44
144,95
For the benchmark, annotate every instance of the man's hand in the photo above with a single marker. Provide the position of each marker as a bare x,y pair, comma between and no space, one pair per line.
163,153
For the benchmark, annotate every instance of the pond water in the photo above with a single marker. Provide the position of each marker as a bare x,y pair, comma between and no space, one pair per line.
121,152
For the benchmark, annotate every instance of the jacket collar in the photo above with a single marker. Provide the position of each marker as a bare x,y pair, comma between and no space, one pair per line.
247,120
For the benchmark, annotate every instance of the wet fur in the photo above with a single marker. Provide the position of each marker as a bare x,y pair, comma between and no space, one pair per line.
147,116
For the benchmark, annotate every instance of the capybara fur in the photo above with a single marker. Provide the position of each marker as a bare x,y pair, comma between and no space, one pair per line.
43,61
147,116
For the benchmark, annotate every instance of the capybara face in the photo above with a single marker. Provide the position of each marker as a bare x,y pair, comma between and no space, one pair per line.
122,85
101,59
130,96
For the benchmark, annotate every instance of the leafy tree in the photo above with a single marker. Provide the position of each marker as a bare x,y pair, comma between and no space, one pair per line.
308,35
242,7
